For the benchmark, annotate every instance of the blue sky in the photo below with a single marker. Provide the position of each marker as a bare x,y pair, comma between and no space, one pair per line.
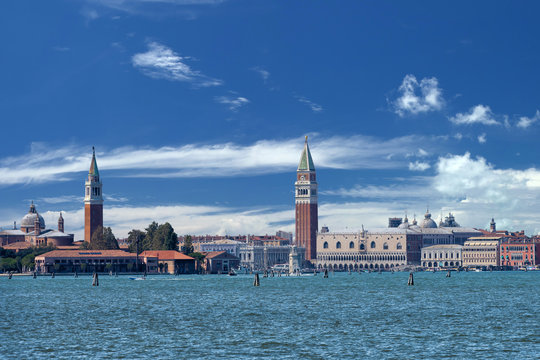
198,111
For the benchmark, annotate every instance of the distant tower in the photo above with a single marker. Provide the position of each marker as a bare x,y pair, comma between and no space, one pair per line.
492,226
37,225
306,205
93,200
60,223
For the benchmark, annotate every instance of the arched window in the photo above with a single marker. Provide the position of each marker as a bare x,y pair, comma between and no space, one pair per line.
373,244
325,245
398,246
362,247
351,245
338,245
385,246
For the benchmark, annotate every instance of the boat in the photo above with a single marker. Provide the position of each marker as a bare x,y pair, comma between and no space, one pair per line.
232,272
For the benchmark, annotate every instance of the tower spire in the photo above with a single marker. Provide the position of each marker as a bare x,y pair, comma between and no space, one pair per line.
306,162
93,200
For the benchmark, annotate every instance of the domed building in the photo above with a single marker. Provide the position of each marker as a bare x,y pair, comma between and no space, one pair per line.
28,223
428,222
33,231
404,224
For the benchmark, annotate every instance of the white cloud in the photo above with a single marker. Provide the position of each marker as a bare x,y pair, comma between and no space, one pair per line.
422,153
478,114
314,107
524,122
233,103
482,138
418,97
161,62
458,136
419,166
265,74
89,14
47,164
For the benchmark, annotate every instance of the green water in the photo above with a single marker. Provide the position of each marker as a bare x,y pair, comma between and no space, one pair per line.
469,315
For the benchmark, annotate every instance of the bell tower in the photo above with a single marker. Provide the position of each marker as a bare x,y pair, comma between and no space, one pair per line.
306,204
93,200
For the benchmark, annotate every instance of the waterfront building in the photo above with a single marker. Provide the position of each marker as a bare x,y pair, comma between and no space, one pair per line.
442,256
255,257
375,249
93,200
519,252
285,235
92,260
230,246
34,232
306,212
171,261
481,251
217,262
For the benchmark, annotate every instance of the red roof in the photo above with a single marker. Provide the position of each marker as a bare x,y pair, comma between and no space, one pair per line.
166,255
87,254
215,254
18,245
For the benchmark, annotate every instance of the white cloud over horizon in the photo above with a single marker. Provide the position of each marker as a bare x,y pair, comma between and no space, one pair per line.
233,103
418,97
161,62
47,164
316,108
419,166
524,122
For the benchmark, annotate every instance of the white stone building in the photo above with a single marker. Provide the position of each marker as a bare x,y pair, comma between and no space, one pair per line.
442,256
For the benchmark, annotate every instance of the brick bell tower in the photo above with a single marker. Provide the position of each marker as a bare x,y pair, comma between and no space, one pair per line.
93,200
306,204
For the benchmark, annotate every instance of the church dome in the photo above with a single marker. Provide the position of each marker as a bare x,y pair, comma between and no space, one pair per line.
29,219
428,221
404,224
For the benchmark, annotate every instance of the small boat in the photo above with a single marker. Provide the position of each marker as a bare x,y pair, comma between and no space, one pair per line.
232,273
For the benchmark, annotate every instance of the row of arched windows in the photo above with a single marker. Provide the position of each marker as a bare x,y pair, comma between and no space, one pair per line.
358,257
373,245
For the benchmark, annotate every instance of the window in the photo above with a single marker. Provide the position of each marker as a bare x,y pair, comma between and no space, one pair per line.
398,246
385,246
362,247
338,245
325,245
351,245
373,245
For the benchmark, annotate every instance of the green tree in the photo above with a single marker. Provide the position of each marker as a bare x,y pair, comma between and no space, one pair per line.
85,245
187,248
165,238
28,261
8,264
103,239
148,242
135,236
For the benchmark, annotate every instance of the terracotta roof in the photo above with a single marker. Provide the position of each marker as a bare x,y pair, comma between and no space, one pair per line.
18,245
166,255
214,254
87,253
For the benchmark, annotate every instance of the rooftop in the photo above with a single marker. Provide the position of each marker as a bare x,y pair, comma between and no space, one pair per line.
166,255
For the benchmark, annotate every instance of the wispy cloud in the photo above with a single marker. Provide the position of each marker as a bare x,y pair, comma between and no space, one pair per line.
418,97
478,114
419,166
314,106
161,62
233,103
265,74
46,164
482,138
156,8
61,48
524,122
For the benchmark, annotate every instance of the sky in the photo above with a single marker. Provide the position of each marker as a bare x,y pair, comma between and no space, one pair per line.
198,111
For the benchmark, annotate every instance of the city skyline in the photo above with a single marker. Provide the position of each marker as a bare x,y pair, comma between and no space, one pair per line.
198,115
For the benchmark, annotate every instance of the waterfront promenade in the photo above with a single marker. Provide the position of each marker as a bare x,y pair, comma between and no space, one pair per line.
469,315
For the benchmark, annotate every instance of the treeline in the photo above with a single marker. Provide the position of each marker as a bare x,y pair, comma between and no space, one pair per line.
21,261
102,239
154,237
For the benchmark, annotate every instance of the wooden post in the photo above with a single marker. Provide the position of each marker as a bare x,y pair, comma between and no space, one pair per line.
448,273
256,282
325,273
410,282
95,281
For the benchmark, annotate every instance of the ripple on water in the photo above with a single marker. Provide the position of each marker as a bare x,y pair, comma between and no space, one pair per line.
470,315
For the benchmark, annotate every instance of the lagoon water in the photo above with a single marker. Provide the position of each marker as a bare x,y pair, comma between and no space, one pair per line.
469,315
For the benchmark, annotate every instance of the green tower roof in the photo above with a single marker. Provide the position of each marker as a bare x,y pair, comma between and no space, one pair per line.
93,165
306,162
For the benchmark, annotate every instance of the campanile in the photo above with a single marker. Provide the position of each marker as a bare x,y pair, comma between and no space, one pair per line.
306,204
93,200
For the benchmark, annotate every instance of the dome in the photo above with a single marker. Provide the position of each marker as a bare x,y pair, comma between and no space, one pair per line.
29,219
428,222
404,224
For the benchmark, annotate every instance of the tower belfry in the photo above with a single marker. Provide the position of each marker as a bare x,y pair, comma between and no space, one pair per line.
306,204
93,200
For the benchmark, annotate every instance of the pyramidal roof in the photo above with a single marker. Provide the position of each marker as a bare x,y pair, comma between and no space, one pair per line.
306,162
93,165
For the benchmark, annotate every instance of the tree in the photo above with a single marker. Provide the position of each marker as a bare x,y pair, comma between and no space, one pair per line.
103,239
148,242
187,248
135,236
8,264
165,238
28,261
